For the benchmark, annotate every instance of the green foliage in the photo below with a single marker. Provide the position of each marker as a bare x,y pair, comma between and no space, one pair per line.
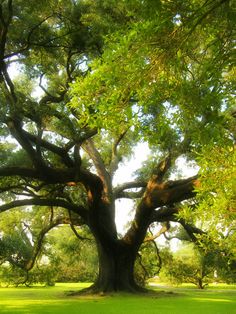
218,181
153,74
14,276
148,263
199,267
155,71
62,257
216,199
72,259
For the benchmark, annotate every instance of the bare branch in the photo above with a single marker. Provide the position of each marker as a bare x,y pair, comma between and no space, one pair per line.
191,230
165,227
72,226
46,202
17,132
161,169
91,150
158,195
41,236
159,264
19,171
114,158
119,191
130,195
53,148
164,214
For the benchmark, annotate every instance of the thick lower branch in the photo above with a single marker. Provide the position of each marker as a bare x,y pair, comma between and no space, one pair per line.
162,196
80,210
167,194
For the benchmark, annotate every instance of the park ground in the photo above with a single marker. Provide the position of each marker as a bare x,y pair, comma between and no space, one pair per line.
219,299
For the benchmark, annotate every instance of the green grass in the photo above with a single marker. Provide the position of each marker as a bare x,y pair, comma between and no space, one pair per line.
214,300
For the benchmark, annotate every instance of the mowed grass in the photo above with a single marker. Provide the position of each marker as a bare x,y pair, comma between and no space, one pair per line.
166,301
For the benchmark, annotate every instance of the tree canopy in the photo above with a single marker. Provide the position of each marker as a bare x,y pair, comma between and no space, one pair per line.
82,82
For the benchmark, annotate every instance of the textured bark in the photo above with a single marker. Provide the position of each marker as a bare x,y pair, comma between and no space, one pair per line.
116,269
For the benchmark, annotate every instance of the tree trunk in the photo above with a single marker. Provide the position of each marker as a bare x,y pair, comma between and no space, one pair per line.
116,269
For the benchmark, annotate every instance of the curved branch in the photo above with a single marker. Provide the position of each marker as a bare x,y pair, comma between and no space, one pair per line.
130,195
204,15
114,156
165,227
119,191
53,148
77,234
80,210
164,214
191,230
91,150
20,135
72,226
39,241
159,264
30,33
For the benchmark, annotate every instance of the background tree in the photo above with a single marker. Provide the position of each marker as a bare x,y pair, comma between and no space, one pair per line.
163,75
193,265
24,246
73,259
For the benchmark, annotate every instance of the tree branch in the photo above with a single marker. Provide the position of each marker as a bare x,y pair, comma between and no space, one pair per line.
168,193
119,191
165,227
19,171
22,138
39,241
215,6
91,150
53,148
114,158
164,214
191,230
131,195
80,210
162,196
28,43
161,169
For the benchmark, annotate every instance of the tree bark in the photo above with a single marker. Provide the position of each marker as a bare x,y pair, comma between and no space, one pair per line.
116,257
116,269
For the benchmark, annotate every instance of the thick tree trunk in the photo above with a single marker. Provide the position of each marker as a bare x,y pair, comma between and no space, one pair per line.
116,269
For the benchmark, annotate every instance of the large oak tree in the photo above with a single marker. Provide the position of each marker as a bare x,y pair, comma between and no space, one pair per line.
110,75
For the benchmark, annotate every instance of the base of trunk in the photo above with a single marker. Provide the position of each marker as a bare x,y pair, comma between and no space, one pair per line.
101,290
116,270
113,287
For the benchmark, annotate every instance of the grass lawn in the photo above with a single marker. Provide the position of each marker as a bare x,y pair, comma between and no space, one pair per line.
214,300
